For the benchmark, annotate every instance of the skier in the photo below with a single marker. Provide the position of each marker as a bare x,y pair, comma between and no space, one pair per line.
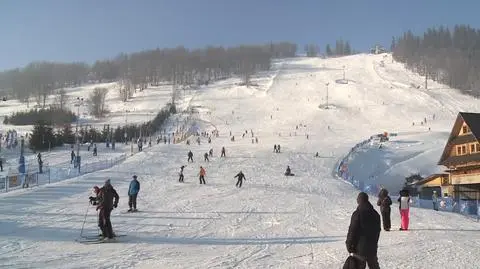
190,156
133,190
288,172
40,163
223,152
278,148
210,153
435,200
202,175
240,177
180,179
107,200
205,156
95,150
72,155
404,207
275,148
385,202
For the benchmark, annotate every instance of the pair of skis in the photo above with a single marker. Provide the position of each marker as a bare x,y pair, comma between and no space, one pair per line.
97,239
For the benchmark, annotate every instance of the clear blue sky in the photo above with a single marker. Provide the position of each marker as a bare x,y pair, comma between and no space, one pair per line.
86,30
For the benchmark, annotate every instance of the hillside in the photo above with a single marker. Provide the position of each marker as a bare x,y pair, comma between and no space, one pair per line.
272,221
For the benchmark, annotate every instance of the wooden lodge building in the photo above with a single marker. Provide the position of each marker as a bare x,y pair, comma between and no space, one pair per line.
461,157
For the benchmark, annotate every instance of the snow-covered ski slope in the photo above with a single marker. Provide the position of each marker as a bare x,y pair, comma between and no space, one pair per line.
272,221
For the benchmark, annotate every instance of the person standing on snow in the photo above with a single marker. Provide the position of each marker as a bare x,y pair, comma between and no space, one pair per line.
205,156
404,207
72,155
435,200
133,190
190,156
202,175
210,153
180,179
385,202
107,200
223,152
363,233
240,177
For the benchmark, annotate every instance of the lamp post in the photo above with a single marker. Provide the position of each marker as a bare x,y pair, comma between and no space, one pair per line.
326,106
77,158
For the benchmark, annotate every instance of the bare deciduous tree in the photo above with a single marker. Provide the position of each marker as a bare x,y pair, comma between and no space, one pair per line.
97,102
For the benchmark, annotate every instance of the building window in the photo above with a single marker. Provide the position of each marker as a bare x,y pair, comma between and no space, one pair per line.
464,129
464,149
478,147
459,150
472,148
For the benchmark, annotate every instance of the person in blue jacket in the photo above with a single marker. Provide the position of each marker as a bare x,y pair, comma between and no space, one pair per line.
132,194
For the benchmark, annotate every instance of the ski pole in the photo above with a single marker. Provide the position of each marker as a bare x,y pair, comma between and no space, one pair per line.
84,220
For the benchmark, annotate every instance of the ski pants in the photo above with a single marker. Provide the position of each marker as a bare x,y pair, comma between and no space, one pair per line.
180,179
206,159
190,158
223,154
132,201
239,183
386,219
371,261
202,180
404,215
104,222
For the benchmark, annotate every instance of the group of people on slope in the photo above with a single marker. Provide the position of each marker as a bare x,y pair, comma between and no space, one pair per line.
365,227
106,199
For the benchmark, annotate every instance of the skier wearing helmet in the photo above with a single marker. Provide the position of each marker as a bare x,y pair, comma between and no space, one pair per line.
107,200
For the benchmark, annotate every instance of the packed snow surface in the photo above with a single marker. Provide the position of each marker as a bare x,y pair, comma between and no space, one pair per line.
272,221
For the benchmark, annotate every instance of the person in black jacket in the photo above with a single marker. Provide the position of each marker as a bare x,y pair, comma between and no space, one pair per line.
364,232
384,202
240,177
107,201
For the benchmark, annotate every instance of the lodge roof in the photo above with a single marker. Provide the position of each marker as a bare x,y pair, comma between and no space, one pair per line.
430,178
473,122
463,159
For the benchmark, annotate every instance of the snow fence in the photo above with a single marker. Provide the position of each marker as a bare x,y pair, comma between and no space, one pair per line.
469,208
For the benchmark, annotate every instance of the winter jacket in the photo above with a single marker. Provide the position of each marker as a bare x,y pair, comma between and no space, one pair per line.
134,187
384,201
404,202
240,176
108,197
353,262
202,172
364,231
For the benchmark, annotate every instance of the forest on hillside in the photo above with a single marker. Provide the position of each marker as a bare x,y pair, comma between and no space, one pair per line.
135,71
451,57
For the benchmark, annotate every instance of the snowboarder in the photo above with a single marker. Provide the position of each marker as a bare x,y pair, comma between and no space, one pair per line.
205,156
288,172
404,206
435,200
385,202
72,155
190,156
107,200
202,175
240,177
363,233
180,178
95,150
223,152
133,190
